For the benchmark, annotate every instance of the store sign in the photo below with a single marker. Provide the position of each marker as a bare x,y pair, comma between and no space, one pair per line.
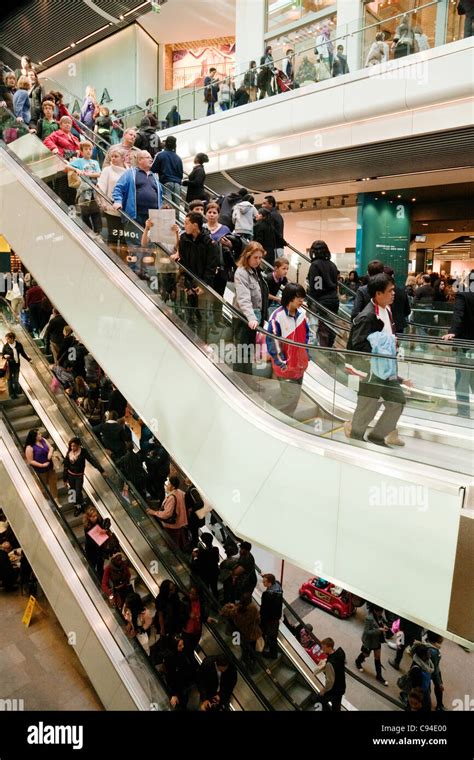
383,232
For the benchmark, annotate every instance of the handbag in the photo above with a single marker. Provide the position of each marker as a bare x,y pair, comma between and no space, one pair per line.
260,644
73,180
172,518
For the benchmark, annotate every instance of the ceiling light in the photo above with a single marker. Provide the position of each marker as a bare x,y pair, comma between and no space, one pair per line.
450,229
383,192
413,199
121,17
424,224
73,44
399,196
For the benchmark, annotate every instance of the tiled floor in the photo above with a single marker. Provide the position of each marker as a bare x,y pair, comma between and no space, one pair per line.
36,664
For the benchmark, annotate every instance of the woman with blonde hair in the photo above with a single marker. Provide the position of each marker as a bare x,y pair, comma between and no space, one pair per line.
90,108
251,291
21,101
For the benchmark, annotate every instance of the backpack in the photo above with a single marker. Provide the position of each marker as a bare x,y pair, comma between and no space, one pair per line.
404,683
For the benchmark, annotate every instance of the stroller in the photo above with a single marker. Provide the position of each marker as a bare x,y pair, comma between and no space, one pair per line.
283,83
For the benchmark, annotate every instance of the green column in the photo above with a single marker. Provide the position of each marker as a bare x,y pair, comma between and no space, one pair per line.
383,232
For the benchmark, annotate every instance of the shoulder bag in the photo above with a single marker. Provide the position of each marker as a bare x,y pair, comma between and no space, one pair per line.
172,518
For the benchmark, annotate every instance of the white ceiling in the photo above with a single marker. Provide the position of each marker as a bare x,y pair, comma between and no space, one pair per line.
186,20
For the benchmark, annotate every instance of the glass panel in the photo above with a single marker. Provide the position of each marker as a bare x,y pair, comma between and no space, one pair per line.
243,355
283,12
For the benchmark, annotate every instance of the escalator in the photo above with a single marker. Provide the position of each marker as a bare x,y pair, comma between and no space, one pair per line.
130,312
287,683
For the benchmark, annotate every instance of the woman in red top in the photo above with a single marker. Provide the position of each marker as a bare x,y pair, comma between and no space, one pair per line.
66,145
62,141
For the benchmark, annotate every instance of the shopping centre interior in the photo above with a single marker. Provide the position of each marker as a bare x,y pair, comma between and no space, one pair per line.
362,135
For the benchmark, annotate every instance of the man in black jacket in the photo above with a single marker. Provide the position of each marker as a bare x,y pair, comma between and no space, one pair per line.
227,205
335,687
270,204
375,317
113,435
12,350
271,608
54,334
462,328
362,297
216,679
199,254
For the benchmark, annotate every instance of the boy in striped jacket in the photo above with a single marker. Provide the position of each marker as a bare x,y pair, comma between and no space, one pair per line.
289,362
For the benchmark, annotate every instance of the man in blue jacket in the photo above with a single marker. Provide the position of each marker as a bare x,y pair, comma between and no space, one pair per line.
169,167
138,189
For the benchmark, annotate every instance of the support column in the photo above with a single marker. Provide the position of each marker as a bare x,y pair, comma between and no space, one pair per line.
249,32
383,232
350,14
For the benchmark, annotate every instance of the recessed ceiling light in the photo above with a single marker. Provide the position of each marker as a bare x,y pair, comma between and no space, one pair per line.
399,196
413,199
121,17
450,229
73,44
424,224
383,192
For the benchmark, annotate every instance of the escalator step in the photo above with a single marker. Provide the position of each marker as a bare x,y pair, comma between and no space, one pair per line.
27,423
299,692
284,675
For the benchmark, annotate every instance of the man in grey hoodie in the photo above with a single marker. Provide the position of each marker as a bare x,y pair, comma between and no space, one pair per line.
335,687
244,215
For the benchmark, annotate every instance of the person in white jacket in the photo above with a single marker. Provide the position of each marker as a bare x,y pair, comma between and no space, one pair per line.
244,215
106,183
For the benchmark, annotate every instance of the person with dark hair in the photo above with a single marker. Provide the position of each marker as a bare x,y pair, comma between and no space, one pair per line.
241,96
340,65
179,668
362,297
401,304
194,617
205,562
46,123
270,204
173,118
252,301
372,638
372,331
434,642
420,674
250,81
157,462
147,138
172,514
194,503
131,467
276,281
265,234
74,466
12,351
216,680
150,113
116,580
245,616
197,206
196,180
200,255
114,435
169,167
289,362
244,573
352,281
8,574
227,204
39,455
265,76
323,286
271,608
54,334
423,302
334,671
226,569
169,612
211,91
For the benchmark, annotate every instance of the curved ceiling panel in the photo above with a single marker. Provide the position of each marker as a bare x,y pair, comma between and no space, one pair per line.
440,150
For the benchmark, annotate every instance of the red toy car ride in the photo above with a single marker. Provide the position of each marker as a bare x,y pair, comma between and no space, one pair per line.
331,598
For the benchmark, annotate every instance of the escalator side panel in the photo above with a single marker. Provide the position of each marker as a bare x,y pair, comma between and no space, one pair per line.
73,608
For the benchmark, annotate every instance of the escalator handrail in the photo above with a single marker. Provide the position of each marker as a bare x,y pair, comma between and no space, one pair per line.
235,313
